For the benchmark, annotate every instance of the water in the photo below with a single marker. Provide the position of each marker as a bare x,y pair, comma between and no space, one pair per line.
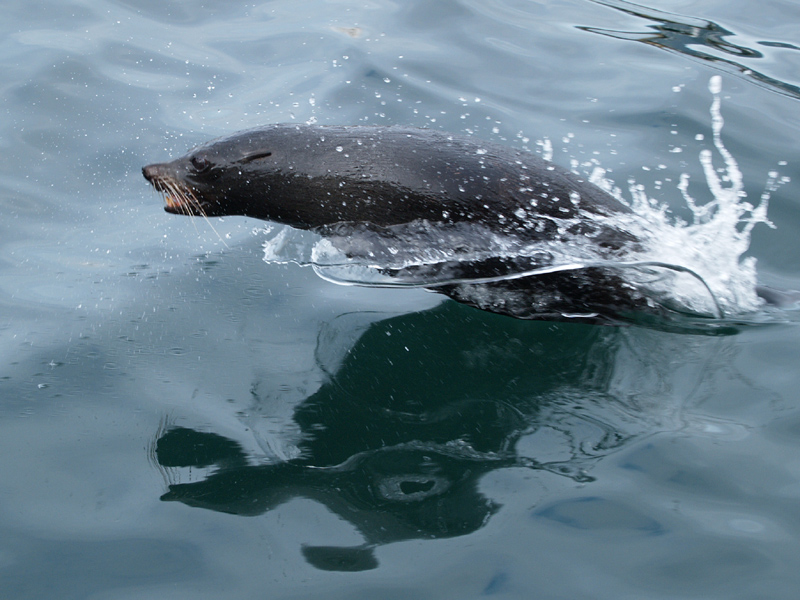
181,418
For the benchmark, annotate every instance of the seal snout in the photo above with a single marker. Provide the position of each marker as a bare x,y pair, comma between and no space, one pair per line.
152,172
158,176
179,198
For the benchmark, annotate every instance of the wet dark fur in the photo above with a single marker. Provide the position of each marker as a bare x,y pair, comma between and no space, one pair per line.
330,178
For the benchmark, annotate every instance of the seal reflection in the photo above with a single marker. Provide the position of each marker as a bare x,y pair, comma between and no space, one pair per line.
420,408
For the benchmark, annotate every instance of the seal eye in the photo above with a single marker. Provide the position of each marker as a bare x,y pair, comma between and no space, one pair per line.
200,163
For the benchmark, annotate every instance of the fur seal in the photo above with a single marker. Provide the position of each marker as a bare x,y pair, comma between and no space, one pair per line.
358,182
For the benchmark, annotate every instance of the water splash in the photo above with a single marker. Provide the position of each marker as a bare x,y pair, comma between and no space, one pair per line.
696,267
713,244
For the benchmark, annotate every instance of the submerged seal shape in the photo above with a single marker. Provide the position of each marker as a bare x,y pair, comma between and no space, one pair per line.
359,184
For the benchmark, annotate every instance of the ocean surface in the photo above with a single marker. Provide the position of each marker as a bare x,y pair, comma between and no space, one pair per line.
181,418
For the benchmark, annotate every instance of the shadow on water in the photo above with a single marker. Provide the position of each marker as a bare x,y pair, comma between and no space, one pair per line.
699,39
415,411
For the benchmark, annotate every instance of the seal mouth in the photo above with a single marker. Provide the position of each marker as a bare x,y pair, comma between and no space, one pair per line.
178,198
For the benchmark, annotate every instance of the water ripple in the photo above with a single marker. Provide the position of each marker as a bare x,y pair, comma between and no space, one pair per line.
684,34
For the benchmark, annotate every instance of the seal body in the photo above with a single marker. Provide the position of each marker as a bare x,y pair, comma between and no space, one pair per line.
343,181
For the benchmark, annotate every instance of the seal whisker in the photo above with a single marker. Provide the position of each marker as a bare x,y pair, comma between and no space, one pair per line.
172,199
189,204
212,228
183,201
179,197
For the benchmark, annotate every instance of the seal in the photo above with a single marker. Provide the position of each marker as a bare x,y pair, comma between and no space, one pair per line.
314,176
358,182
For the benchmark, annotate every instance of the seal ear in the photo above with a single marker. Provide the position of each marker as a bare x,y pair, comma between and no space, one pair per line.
255,156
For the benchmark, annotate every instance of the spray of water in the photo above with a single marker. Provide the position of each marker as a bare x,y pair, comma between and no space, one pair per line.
713,244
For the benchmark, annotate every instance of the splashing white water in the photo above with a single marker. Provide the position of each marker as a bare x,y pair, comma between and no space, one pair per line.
696,267
713,244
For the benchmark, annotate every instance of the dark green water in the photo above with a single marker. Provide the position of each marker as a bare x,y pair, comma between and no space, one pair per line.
180,419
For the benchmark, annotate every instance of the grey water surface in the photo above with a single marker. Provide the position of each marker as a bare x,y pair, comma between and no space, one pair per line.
180,419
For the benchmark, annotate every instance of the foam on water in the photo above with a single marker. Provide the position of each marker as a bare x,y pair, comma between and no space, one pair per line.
694,267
